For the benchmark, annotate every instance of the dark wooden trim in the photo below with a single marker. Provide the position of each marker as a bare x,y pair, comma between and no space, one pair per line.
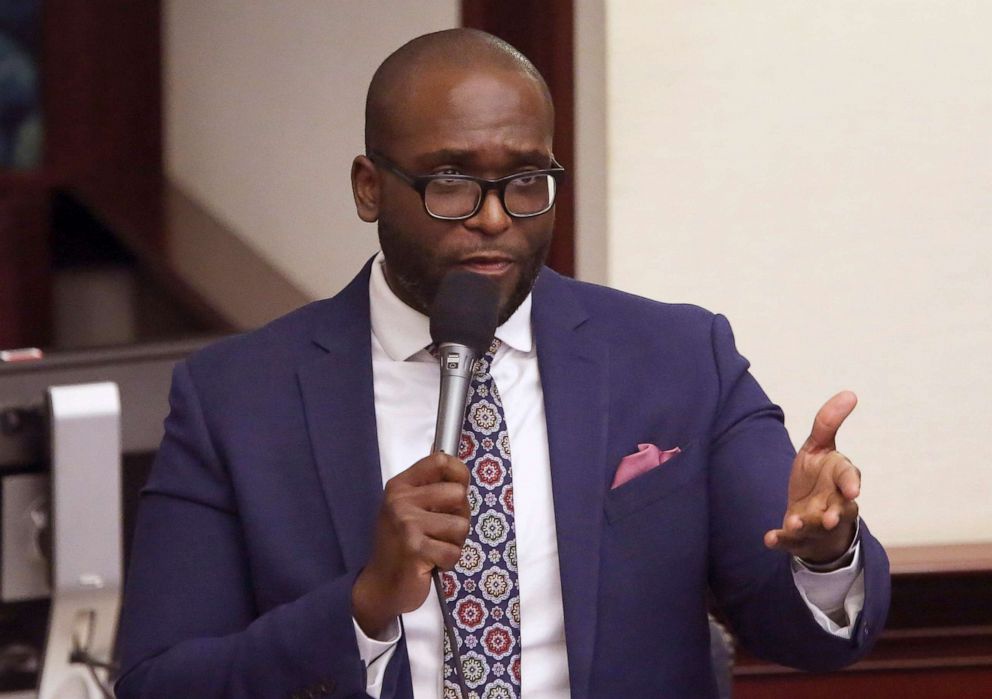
917,649
941,600
543,31
940,622
102,98
948,683
120,357
25,254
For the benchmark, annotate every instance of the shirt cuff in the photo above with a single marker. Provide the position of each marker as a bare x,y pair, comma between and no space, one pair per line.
834,598
376,654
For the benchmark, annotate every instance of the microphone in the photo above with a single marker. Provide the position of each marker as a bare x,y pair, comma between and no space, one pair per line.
463,322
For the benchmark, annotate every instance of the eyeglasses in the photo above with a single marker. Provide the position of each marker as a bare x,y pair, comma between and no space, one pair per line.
452,197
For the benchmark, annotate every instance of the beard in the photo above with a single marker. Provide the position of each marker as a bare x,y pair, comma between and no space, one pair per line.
413,267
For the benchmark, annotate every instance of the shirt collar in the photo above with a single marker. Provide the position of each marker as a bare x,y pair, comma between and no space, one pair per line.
403,331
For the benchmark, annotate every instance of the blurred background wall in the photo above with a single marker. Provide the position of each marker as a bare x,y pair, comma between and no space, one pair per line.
821,173
264,108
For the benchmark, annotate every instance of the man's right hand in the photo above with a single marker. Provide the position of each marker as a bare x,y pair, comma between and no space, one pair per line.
422,523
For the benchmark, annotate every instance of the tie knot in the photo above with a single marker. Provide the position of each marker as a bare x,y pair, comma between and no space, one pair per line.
493,347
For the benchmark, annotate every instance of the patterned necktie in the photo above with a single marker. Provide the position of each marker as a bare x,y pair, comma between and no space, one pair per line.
482,592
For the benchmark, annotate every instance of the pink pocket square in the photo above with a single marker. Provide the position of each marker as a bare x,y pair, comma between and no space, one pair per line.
640,462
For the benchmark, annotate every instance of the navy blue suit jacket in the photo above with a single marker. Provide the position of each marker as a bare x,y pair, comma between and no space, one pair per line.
260,508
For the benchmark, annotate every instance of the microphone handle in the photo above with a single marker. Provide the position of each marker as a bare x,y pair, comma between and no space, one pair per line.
457,365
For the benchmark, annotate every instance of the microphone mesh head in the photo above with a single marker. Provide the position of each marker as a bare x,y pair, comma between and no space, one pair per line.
465,310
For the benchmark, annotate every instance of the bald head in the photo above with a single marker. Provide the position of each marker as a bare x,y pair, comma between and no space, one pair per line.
451,49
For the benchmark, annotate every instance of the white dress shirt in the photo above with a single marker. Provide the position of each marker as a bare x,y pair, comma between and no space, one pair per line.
406,379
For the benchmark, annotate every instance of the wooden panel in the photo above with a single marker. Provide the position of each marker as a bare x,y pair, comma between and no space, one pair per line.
542,30
941,600
102,101
939,684
937,642
25,276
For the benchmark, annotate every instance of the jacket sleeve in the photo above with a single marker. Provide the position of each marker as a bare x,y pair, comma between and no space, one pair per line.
189,625
750,461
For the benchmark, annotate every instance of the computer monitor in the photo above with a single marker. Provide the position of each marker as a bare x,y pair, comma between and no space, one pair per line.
142,376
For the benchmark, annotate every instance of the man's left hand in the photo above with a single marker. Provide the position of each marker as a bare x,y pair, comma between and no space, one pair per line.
819,523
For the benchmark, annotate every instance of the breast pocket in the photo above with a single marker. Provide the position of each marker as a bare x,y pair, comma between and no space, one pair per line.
667,478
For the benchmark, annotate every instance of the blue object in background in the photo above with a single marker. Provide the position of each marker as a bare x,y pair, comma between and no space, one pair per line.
20,109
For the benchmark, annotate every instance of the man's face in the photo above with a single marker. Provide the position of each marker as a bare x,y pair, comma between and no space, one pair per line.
483,122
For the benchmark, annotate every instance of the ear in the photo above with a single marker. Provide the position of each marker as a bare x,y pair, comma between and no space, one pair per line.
365,188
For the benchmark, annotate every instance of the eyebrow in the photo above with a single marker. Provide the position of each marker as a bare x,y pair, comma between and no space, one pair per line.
460,156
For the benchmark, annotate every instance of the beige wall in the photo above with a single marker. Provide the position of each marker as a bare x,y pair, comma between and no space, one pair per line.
263,114
822,174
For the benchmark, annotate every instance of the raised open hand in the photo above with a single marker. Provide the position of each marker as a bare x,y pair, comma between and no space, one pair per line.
820,520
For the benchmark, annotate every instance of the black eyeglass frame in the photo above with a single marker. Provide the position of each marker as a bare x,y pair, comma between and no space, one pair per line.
420,183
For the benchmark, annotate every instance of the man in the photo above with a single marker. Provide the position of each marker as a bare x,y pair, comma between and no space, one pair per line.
648,468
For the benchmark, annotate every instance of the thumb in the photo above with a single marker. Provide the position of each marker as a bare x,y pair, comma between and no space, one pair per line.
828,420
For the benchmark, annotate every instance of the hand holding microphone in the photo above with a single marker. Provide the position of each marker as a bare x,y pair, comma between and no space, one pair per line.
422,524
424,517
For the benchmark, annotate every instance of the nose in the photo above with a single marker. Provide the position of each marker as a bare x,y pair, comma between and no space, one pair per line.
491,218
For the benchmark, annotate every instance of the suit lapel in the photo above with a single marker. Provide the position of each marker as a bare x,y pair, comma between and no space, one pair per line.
338,398
574,380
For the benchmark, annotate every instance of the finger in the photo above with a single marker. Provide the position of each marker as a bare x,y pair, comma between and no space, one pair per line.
451,529
847,478
784,540
780,540
808,548
822,508
436,468
836,474
441,497
793,541
792,526
818,516
834,512
442,554
828,420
